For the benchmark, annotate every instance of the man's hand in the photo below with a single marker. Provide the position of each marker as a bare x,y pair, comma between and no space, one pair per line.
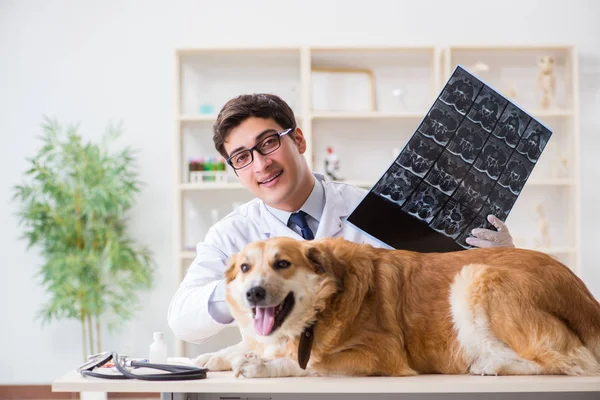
489,238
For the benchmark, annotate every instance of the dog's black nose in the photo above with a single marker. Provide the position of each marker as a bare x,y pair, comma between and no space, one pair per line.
256,295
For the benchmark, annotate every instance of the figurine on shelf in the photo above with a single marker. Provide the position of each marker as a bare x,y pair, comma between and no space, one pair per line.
546,80
544,240
332,165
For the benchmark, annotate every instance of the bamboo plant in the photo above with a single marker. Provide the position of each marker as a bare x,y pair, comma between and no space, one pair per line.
73,203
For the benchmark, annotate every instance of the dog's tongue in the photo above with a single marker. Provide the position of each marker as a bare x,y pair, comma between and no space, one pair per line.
264,320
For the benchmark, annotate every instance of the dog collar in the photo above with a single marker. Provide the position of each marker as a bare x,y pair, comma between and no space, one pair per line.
305,345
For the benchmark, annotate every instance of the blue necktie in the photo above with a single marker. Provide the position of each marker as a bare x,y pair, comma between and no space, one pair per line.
299,219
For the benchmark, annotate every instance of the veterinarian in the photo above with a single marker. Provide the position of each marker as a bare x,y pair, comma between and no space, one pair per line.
258,136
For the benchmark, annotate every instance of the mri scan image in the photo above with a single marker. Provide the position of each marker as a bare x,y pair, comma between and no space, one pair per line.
474,189
460,91
499,202
511,126
419,155
397,184
487,108
516,173
447,173
468,141
425,202
533,141
493,158
453,218
440,123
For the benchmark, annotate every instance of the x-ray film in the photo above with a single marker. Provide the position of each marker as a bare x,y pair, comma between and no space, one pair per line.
470,156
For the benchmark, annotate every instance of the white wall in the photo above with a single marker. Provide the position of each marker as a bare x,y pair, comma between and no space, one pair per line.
108,60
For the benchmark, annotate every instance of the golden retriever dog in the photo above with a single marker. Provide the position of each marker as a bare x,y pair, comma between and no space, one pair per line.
333,307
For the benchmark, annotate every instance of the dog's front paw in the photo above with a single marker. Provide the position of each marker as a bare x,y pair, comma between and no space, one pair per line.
213,362
252,367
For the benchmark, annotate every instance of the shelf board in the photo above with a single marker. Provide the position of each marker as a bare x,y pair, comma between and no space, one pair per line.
197,118
375,115
556,113
210,118
209,186
337,49
366,115
552,112
360,183
550,182
501,47
211,50
535,182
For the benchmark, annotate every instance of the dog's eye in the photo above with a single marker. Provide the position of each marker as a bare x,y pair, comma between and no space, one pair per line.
281,264
244,267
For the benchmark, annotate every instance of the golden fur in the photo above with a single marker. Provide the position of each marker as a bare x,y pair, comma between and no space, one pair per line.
393,312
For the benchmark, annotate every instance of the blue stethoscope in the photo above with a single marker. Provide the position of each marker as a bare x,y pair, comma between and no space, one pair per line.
124,367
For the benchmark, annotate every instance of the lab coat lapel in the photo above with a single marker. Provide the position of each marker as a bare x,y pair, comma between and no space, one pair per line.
333,214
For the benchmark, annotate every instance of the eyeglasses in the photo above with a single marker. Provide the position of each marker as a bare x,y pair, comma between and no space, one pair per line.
266,146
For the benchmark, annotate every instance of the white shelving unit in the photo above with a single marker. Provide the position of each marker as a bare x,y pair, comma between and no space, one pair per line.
366,103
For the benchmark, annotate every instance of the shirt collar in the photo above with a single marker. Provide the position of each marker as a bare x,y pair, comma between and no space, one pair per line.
313,206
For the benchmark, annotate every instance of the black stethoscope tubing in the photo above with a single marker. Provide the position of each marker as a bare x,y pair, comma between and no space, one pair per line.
176,372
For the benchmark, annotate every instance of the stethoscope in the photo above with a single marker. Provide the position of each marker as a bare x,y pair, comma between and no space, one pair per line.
173,372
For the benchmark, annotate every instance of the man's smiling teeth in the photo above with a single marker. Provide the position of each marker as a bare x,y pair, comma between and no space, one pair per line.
270,179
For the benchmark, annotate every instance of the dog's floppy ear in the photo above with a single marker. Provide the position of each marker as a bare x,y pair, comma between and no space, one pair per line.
231,271
323,261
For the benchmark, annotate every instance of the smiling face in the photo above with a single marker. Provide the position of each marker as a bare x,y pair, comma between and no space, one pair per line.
282,178
275,287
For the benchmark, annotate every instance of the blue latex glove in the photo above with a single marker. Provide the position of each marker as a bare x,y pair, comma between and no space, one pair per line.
489,238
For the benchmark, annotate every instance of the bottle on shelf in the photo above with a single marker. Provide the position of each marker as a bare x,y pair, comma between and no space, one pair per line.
158,349
332,164
209,166
195,170
210,169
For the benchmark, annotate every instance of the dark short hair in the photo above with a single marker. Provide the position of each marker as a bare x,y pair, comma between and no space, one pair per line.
240,108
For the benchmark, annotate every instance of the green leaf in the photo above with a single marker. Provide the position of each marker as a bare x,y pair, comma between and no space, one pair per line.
72,208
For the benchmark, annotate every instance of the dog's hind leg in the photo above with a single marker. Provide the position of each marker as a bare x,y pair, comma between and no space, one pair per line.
578,309
484,352
540,337
509,324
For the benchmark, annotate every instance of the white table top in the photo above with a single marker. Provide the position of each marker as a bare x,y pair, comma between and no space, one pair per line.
225,382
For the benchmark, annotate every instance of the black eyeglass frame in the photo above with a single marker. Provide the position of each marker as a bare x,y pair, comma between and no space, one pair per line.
256,148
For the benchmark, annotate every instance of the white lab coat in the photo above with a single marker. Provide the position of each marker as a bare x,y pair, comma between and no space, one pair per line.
188,314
